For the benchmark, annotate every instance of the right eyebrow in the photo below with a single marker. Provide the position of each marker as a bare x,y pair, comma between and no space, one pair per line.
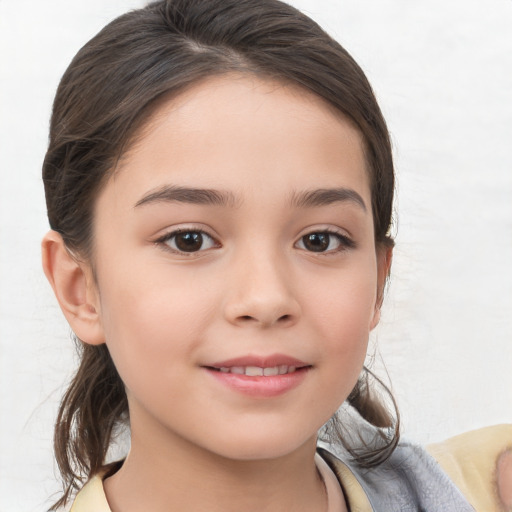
191,195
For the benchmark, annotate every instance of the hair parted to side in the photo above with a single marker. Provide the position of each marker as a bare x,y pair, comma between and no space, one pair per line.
107,93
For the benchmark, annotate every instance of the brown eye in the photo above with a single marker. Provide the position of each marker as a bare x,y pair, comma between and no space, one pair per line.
189,241
316,242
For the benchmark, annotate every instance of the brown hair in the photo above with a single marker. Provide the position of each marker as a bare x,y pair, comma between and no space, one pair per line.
112,86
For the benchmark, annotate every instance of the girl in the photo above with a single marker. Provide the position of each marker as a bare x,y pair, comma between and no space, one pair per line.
219,183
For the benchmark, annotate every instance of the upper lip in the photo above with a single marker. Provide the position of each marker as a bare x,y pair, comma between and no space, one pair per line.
260,361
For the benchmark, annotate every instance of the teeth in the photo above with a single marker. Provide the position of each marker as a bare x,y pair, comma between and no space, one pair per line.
256,371
253,371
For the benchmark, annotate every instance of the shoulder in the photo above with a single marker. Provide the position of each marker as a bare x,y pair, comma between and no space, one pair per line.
91,497
470,460
458,475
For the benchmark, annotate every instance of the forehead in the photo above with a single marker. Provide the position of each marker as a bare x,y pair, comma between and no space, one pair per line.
228,128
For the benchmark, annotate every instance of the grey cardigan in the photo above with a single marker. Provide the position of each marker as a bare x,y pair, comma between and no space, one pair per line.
411,480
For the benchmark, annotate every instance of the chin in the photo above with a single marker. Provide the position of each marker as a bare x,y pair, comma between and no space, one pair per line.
262,445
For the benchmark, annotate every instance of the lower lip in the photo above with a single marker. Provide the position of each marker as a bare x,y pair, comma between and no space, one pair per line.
261,387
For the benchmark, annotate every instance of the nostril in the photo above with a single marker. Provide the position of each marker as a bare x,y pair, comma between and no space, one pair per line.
283,319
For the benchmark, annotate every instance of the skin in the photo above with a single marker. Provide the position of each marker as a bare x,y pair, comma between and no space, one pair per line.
254,288
504,479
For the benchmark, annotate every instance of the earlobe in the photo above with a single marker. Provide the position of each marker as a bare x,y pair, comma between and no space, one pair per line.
74,289
384,259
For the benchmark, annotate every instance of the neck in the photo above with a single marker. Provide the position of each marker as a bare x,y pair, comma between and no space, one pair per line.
178,475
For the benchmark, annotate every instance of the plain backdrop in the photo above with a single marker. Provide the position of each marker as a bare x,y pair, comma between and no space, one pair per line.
442,72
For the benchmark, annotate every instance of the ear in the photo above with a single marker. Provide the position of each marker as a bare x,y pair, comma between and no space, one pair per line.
74,287
384,258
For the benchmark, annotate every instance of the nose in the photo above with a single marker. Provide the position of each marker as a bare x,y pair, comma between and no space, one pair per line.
261,292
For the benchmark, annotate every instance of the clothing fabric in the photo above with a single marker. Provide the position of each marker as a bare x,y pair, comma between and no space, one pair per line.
457,475
335,498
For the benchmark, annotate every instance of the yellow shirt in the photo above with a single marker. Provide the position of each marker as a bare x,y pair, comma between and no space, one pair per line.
468,459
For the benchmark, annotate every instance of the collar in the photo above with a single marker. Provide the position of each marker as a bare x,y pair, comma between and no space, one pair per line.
92,495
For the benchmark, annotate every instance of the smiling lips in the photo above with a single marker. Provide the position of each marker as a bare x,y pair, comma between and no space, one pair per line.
260,377
256,371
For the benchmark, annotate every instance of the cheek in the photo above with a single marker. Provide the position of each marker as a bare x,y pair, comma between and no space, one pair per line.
152,325
152,303
345,303
343,313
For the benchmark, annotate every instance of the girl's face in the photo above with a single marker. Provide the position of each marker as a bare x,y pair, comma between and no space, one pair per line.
237,274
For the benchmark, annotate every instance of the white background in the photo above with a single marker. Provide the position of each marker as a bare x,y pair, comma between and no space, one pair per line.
442,72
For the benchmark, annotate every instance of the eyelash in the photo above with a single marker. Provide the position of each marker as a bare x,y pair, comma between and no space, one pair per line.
344,241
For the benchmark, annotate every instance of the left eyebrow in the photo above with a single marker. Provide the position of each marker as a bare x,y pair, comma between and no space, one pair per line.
191,195
326,196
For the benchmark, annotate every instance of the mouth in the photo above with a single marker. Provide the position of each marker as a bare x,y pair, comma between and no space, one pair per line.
258,371
260,377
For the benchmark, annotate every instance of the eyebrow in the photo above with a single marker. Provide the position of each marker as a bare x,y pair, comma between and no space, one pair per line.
205,196
326,196
191,195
